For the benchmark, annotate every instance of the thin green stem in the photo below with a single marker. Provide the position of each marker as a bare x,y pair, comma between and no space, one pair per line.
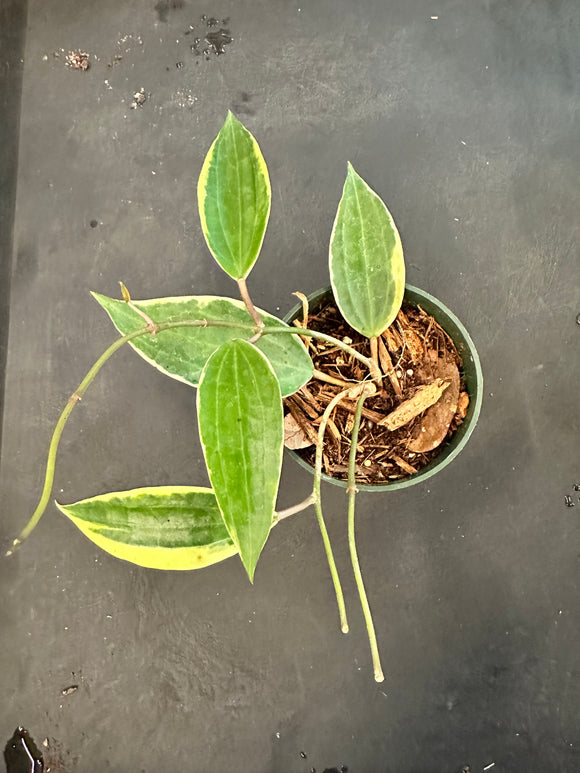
60,425
302,331
379,676
152,329
273,330
78,394
318,507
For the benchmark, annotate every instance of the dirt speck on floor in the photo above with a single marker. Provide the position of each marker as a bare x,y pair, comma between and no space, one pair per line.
139,98
78,60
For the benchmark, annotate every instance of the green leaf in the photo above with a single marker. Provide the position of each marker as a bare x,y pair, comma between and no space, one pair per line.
163,527
367,269
240,415
182,352
234,195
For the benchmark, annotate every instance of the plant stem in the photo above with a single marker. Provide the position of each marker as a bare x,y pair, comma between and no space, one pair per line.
270,330
318,507
249,305
379,676
60,425
367,361
78,394
151,329
274,330
375,352
281,514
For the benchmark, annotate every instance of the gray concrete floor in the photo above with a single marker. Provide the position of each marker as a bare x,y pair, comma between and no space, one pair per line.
464,116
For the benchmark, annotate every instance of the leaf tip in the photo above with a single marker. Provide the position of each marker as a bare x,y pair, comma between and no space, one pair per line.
250,568
352,174
231,118
99,298
125,292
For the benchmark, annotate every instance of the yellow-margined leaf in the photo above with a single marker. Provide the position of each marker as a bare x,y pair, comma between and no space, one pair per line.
160,527
182,352
367,269
240,418
234,195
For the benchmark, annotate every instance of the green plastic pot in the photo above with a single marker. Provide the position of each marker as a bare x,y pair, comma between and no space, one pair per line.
472,375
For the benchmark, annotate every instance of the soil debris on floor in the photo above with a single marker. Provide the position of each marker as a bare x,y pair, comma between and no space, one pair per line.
116,59
78,60
184,98
419,404
56,758
139,99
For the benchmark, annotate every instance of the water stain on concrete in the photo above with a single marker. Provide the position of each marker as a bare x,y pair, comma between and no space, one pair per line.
163,7
22,755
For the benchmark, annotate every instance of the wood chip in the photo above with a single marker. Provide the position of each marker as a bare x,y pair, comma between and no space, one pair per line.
388,369
435,423
409,337
339,468
424,397
462,405
294,435
349,424
331,426
414,345
302,421
334,430
308,409
392,339
309,397
368,413
403,464
402,318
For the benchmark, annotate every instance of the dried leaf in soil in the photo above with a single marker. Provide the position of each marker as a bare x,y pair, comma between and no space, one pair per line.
424,397
435,423
294,435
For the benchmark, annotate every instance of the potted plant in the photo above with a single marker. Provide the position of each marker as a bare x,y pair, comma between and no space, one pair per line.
245,363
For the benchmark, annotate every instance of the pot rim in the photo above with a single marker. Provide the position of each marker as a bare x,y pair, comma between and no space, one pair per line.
474,387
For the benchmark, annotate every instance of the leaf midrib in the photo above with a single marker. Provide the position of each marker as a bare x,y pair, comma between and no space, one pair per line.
364,248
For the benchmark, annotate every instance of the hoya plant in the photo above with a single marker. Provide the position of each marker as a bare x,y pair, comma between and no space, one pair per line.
243,362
